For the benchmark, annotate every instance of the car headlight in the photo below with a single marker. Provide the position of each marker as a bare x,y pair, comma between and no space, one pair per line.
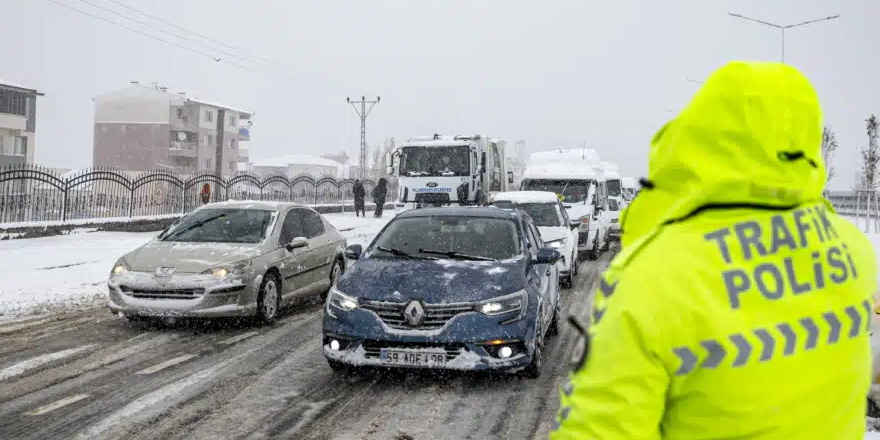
556,244
119,267
341,301
503,304
230,269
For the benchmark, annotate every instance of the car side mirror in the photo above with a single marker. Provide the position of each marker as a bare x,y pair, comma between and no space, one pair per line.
547,255
296,243
574,224
354,251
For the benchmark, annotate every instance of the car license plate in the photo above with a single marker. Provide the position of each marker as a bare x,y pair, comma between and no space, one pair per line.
412,357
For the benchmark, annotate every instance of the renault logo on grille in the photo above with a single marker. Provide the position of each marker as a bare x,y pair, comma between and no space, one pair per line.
414,313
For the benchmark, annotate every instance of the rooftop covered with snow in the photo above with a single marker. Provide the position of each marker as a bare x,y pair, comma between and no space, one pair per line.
562,170
11,85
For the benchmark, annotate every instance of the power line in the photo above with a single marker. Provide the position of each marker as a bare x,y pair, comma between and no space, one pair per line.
204,37
130,29
182,37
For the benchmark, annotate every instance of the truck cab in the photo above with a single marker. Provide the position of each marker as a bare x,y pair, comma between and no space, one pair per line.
630,188
448,170
580,186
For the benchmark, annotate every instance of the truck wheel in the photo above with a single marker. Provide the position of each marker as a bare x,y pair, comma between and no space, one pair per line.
873,410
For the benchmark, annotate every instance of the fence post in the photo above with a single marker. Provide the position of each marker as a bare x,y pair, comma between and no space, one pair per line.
64,203
130,202
316,194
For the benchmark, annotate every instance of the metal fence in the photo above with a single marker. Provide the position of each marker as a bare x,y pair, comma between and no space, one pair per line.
863,205
31,193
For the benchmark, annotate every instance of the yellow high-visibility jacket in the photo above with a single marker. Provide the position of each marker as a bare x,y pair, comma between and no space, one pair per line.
739,306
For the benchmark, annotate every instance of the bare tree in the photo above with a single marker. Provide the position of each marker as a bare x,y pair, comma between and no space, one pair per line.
871,156
829,146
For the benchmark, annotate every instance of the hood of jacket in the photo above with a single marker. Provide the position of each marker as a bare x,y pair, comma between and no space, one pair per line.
751,136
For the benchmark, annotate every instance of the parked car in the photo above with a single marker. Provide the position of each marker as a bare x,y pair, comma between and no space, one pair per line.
557,230
230,259
454,288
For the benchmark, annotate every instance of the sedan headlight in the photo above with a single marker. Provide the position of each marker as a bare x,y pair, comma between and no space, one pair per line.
341,301
231,269
556,244
120,267
503,304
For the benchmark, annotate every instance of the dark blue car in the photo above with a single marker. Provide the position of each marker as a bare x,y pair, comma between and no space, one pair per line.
451,288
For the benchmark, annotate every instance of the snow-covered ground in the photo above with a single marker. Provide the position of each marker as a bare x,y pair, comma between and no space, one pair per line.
61,272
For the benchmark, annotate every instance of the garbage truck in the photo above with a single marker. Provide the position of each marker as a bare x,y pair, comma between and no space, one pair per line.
438,170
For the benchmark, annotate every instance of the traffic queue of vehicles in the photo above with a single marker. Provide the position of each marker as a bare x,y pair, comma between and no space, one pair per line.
468,288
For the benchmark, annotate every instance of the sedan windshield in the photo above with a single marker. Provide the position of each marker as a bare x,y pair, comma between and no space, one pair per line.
449,237
573,191
435,161
222,226
544,214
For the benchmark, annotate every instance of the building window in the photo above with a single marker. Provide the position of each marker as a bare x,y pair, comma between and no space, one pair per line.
209,116
209,139
209,163
232,121
232,166
20,146
232,143
13,103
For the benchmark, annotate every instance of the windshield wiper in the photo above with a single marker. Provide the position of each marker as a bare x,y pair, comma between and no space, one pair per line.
192,226
404,254
455,255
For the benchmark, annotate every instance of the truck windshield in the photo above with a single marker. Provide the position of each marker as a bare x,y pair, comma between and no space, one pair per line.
573,191
613,188
435,161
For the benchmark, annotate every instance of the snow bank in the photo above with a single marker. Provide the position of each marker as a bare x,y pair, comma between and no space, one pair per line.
63,272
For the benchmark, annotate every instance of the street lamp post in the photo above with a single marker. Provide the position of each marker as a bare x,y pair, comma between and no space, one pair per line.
782,28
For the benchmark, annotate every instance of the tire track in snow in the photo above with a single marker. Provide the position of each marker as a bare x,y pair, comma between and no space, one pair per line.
37,362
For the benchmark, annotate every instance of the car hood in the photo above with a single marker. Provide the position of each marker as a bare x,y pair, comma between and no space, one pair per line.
551,233
440,281
188,257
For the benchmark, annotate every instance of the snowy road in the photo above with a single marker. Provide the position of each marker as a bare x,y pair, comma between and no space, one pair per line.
90,374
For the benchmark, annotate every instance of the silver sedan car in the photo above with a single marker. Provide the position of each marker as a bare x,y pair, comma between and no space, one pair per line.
230,259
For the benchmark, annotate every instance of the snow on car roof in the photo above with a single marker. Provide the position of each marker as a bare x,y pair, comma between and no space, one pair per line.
251,204
527,197
561,170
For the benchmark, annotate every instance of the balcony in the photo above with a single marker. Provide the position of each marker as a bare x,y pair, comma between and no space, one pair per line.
183,149
9,159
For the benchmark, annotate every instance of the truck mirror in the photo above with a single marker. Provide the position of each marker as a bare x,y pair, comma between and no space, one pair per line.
389,170
510,177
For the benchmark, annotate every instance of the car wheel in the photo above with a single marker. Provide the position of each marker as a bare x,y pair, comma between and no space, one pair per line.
565,281
873,410
533,370
607,242
268,300
574,265
594,252
554,323
335,273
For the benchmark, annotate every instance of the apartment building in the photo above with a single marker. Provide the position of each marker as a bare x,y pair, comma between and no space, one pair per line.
146,127
18,123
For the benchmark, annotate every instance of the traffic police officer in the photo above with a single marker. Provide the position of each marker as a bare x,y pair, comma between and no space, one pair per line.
740,303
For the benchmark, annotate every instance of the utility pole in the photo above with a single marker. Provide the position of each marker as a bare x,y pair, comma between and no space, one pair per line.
363,112
782,27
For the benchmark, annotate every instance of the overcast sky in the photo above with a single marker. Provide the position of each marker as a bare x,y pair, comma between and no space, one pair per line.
554,73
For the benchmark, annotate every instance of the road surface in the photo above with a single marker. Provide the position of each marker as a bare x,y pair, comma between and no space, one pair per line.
93,375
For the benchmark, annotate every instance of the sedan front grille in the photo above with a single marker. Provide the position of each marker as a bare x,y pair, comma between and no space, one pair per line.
373,349
158,293
436,315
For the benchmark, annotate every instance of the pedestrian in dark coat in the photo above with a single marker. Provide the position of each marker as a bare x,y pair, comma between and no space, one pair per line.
359,194
379,193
